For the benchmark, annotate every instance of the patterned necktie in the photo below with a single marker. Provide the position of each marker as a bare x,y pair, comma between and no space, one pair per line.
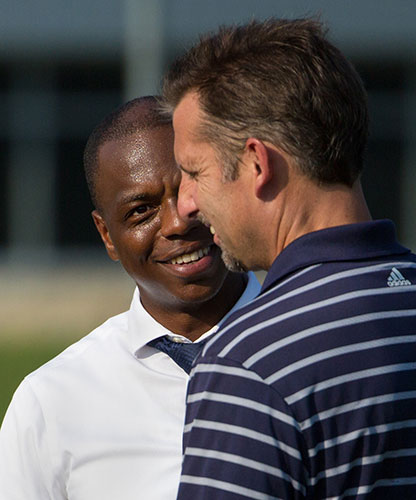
183,353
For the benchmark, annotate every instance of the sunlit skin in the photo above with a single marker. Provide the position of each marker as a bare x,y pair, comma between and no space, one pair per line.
227,206
268,206
203,194
137,218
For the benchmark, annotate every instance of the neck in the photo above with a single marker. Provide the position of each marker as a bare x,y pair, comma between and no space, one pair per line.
312,207
192,319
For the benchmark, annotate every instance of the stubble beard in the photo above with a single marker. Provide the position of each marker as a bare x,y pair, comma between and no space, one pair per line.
230,262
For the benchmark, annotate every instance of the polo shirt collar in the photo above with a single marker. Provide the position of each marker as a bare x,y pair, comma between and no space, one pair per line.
363,240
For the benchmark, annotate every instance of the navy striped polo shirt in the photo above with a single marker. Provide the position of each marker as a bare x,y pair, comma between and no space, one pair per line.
309,391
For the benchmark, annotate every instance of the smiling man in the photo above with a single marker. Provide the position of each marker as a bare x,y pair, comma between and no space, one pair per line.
309,391
104,419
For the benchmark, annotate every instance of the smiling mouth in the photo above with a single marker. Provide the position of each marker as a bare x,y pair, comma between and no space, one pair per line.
186,258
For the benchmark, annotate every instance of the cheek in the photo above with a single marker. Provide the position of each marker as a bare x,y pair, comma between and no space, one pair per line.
137,242
208,195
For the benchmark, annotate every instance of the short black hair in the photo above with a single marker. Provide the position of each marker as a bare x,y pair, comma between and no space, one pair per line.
137,115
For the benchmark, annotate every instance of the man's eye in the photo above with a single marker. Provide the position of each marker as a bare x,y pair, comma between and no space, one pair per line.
140,213
142,209
193,175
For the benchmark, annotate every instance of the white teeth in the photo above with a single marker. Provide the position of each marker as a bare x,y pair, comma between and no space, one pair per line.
190,257
211,228
187,257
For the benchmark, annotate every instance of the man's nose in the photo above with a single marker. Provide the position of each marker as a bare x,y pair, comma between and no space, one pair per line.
172,223
187,207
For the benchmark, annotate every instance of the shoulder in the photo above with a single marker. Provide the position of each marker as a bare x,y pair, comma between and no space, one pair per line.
291,317
260,313
72,376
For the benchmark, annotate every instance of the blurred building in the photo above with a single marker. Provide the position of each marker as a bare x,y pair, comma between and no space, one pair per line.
65,65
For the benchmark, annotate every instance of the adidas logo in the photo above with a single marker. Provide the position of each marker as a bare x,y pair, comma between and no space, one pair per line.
396,278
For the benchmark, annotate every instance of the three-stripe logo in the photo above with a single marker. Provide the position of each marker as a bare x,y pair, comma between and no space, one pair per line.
396,278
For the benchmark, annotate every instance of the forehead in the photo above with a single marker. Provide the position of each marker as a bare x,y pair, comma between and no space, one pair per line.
137,161
142,154
152,148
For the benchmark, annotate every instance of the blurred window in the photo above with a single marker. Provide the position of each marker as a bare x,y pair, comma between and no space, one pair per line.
4,150
86,94
383,165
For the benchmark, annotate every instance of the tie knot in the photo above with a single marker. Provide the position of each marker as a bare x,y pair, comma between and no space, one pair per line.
183,353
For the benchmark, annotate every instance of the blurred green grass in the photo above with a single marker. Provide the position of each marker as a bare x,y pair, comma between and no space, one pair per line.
19,358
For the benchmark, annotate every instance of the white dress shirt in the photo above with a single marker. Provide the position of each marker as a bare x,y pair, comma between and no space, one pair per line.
101,421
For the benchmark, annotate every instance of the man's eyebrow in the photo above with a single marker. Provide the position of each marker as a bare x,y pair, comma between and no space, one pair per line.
182,168
135,197
192,165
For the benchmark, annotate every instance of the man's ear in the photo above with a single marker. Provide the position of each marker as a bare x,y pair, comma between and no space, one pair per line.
105,235
258,156
270,166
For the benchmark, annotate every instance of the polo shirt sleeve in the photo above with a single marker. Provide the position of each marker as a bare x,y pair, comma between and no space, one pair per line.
25,467
240,438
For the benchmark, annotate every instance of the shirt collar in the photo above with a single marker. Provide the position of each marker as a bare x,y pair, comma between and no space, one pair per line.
142,327
363,240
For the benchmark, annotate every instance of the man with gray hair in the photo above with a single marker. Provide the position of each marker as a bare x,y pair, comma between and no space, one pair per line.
309,391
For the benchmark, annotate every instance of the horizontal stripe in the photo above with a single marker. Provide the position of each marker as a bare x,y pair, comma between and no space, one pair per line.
225,486
325,327
244,432
288,304
374,459
244,402
365,431
319,305
288,280
226,370
341,351
398,481
357,405
297,291
261,308
246,462
349,377
315,306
